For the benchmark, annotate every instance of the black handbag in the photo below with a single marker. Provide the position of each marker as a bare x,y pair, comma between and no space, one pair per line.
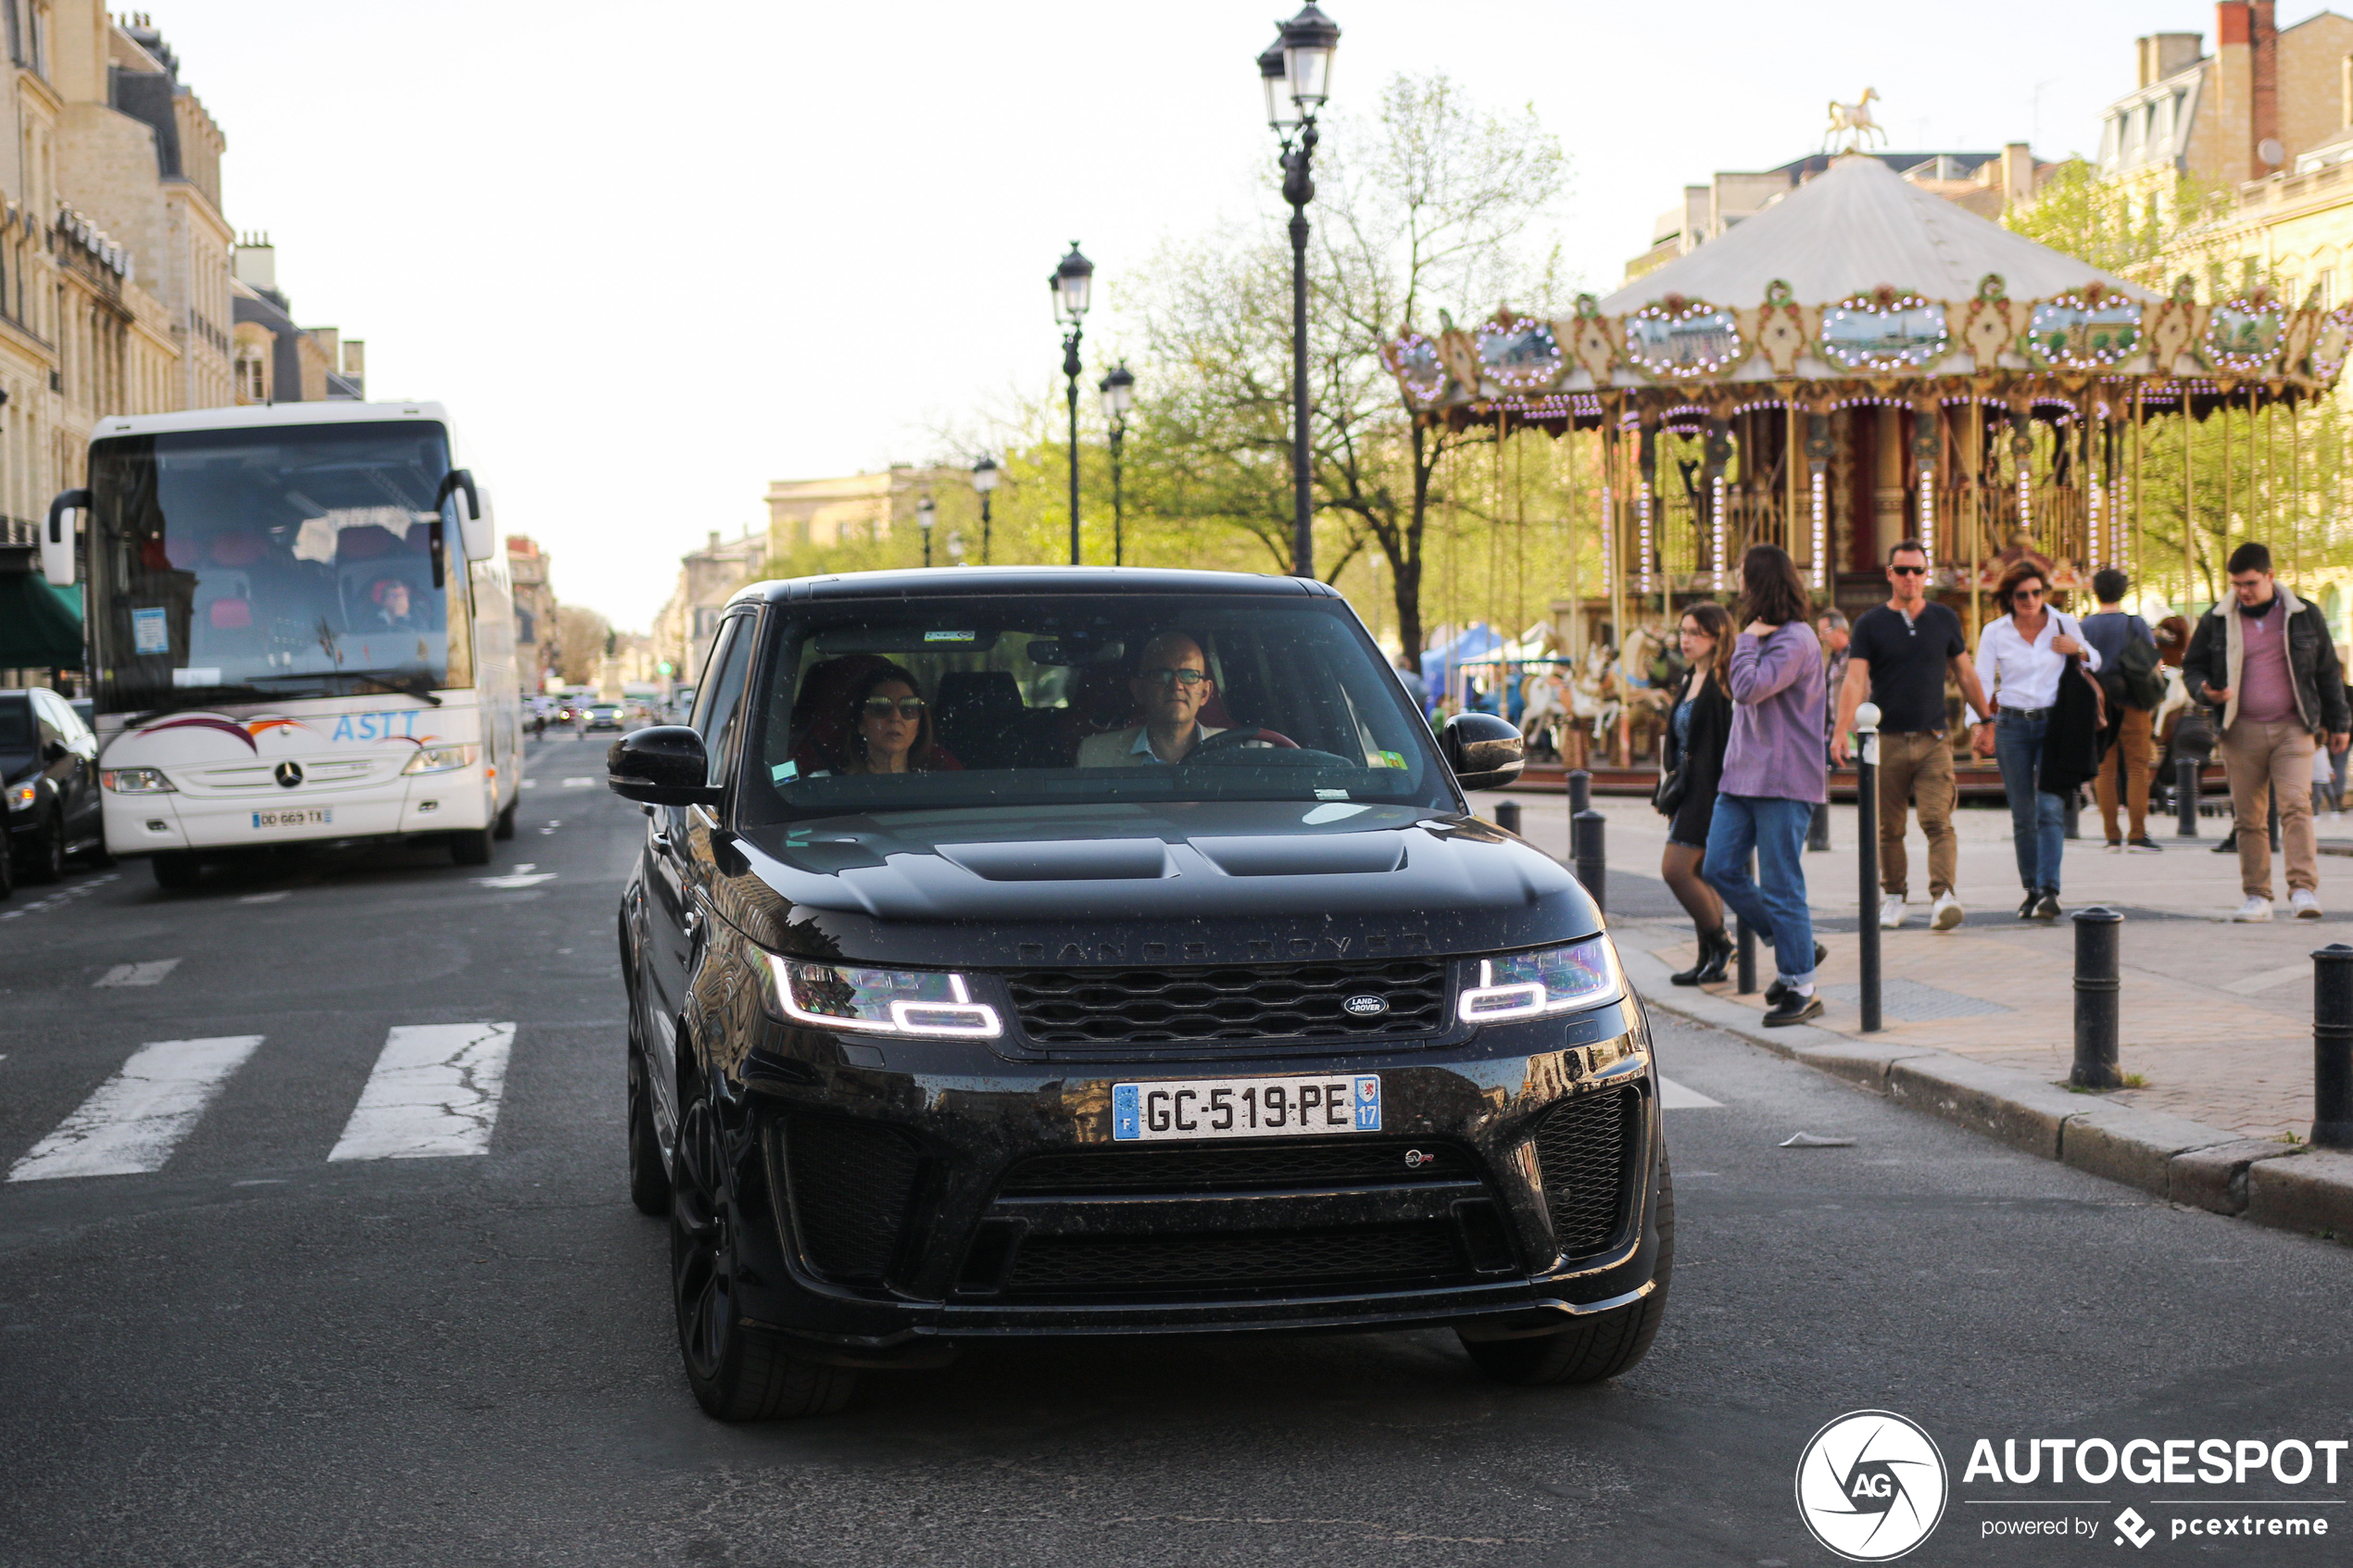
1667,798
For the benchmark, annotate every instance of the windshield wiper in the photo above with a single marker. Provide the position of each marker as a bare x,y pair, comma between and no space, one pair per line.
204,697
418,686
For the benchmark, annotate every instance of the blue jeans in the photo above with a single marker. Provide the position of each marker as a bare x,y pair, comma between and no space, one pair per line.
2038,822
1775,903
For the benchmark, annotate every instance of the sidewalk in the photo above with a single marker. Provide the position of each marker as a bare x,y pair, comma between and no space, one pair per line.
2216,1032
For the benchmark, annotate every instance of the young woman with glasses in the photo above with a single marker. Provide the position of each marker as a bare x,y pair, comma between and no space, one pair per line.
2020,659
889,725
1692,769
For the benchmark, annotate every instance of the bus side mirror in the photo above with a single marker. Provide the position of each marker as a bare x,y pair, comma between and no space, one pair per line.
57,536
476,531
1486,752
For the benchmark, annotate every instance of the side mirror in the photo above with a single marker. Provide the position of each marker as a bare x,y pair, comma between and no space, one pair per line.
56,537
476,529
664,765
1486,752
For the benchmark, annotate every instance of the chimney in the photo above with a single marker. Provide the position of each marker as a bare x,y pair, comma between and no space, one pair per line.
714,538
354,357
2264,101
2018,173
2234,89
2166,53
256,262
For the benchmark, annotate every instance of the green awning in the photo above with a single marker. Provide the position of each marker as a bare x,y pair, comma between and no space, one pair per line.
40,626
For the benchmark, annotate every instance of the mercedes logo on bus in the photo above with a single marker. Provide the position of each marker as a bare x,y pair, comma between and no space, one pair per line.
288,774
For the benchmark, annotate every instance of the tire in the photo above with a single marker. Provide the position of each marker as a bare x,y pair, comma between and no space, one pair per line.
45,860
648,1177
471,847
737,1373
505,826
1596,1347
7,866
177,871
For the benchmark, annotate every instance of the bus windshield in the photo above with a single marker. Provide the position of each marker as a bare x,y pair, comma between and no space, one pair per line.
284,562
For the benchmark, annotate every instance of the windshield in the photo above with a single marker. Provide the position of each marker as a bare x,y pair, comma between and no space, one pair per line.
995,700
16,723
278,562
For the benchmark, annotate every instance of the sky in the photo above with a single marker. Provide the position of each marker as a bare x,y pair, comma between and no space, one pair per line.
654,257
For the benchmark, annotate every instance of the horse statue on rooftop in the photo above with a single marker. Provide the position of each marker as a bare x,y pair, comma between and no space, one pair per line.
1854,122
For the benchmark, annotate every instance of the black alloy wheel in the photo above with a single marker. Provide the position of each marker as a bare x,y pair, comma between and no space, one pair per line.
46,860
649,1175
1596,1347
736,1372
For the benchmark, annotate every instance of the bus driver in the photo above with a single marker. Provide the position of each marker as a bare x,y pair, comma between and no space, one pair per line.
1171,684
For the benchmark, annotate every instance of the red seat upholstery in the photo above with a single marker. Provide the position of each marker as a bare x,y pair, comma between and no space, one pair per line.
230,615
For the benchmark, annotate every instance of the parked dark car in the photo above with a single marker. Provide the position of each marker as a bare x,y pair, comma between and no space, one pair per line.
49,775
1082,952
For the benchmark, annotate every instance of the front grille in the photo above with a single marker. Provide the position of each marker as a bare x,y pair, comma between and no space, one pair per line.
1582,1147
1423,1251
1142,1006
1339,1160
851,1185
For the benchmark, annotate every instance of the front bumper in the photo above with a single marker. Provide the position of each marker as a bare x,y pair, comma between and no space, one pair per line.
931,1192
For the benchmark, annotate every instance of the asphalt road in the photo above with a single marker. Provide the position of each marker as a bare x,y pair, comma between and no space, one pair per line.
255,1353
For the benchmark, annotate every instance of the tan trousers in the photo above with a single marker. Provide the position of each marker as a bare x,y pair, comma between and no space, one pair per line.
2130,753
2261,758
1918,768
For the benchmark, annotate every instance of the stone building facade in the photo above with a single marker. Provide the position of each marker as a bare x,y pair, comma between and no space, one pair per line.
537,647
683,628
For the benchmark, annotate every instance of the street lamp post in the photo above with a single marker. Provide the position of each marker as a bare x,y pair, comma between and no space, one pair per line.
1071,280
984,481
1119,395
925,515
1296,71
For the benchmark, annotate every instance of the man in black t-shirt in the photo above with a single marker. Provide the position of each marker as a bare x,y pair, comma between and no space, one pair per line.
1899,657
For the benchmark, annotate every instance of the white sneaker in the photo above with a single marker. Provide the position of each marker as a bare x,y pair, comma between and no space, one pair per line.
2305,903
1891,911
1945,913
2254,911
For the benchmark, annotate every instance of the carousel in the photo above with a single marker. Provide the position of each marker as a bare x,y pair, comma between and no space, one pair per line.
1862,362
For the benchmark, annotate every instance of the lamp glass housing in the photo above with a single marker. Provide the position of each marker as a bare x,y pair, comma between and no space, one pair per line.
985,475
1119,394
1310,39
1274,78
1072,283
926,513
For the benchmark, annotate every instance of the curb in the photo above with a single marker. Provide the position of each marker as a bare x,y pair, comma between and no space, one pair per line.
2289,1186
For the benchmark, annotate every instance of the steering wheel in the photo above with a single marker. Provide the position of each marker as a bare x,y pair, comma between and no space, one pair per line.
1226,740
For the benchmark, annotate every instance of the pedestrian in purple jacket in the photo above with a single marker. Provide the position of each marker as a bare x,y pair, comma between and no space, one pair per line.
1774,775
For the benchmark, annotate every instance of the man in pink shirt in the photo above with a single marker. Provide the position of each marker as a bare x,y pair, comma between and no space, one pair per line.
2266,660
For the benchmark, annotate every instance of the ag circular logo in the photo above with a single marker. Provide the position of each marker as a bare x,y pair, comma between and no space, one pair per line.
1365,1007
1871,1485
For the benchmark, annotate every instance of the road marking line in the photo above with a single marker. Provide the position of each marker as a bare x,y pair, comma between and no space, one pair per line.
1673,1096
435,1092
149,974
132,1122
580,784
264,897
523,879
2270,979
530,783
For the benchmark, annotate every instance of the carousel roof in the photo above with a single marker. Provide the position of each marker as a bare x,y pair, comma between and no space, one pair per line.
1856,226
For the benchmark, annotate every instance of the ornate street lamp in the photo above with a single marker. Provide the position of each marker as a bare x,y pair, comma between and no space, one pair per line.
1071,280
925,515
984,481
1119,395
1296,72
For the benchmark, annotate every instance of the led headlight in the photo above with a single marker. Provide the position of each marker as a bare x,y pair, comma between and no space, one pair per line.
21,796
135,781
1582,974
880,1001
438,758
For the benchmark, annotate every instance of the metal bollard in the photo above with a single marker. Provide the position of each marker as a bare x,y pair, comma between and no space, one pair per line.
1587,844
1867,855
2098,998
1508,816
1580,792
2185,797
2333,1047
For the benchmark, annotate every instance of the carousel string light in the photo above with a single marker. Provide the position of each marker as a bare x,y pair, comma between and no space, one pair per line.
1719,532
1642,509
1928,516
2098,540
1711,336
1821,527
1496,342
1910,355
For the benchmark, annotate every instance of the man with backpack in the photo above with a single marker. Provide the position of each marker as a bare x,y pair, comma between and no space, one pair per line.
2135,688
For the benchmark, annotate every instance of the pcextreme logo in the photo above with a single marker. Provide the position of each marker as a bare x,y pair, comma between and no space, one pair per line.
1871,1485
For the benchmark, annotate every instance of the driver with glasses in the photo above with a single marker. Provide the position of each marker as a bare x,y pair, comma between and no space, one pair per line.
1170,685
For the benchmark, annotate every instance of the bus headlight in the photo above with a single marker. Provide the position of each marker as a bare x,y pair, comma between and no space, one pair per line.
134,781
21,796
1582,974
880,1001
440,758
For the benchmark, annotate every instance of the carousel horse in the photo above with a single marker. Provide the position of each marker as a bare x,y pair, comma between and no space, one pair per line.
1854,121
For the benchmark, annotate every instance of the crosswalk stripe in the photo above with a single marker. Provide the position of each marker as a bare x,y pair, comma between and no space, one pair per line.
435,1092
149,974
134,1120
1673,1096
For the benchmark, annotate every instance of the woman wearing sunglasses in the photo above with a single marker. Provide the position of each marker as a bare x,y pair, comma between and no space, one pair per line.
889,725
2021,661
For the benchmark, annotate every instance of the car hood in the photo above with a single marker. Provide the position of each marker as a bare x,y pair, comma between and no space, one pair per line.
1202,883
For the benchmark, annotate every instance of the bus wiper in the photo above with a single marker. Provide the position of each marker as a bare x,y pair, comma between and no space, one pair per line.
204,697
418,686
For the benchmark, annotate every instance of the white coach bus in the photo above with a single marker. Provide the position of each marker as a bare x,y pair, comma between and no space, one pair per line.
299,628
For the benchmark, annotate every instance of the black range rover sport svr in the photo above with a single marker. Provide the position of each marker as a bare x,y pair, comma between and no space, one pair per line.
1038,951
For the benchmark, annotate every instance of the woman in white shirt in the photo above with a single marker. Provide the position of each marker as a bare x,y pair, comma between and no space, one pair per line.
2020,658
